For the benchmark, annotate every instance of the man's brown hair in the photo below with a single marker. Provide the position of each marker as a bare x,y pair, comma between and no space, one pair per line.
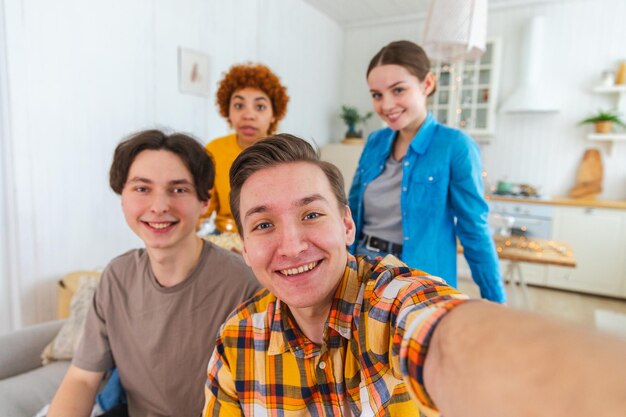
277,150
191,153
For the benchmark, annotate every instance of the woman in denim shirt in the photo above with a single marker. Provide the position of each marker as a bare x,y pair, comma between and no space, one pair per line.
418,184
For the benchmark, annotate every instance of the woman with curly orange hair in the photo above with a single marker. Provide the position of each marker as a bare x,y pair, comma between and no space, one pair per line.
252,99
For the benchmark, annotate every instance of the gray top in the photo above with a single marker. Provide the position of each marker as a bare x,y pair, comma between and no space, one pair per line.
160,338
381,204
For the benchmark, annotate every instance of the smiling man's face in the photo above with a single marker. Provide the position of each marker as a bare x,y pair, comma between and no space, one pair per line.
295,234
160,202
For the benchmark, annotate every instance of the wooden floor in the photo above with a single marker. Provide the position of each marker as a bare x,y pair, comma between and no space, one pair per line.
607,314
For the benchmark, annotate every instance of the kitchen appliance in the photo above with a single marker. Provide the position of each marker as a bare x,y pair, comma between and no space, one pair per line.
528,219
506,188
501,225
533,93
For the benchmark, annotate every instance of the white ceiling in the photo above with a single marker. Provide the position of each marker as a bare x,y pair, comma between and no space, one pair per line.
355,12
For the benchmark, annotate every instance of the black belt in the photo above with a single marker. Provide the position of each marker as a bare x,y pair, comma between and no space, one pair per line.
377,244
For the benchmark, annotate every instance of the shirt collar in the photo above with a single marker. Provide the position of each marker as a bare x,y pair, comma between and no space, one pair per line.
424,136
285,334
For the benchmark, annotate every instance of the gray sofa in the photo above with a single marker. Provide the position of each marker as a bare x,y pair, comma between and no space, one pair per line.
25,385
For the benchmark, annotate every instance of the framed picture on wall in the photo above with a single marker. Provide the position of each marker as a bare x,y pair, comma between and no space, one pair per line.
193,72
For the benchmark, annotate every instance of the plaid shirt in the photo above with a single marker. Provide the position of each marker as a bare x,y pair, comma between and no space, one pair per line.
371,361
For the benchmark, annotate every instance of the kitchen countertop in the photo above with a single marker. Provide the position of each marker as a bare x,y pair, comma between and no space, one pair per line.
563,201
532,250
535,250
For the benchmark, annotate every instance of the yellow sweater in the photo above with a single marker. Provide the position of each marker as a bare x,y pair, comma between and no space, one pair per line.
224,151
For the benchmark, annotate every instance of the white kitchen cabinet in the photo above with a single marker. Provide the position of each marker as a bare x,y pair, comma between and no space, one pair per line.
345,157
598,240
467,92
533,274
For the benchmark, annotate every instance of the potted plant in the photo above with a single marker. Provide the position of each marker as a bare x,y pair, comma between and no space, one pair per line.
604,120
351,118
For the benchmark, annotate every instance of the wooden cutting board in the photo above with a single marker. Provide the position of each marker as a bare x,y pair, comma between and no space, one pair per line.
589,177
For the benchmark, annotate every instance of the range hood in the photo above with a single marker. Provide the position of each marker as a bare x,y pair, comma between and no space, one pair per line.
533,93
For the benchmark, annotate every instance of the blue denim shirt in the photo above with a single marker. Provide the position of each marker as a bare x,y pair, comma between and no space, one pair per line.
441,182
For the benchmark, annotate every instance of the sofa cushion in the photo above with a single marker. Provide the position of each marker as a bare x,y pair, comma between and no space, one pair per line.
23,395
21,349
66,342
67,287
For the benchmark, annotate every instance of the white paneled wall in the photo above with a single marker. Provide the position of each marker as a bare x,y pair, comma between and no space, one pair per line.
308,60
583,38
81,75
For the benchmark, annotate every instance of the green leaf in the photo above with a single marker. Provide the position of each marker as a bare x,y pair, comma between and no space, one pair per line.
604,116
351,116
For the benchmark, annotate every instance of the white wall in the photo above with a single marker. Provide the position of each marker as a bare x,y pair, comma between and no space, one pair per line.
9,312
306,49
583,38
81,75
6,313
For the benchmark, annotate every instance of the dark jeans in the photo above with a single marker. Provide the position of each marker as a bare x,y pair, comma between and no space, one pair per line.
117,411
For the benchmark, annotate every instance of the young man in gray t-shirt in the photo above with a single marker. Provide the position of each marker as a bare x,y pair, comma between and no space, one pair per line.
157,310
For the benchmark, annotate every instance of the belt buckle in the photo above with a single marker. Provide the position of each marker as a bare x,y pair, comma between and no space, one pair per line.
369,247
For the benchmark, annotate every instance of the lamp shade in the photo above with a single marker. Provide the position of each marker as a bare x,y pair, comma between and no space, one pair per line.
455,30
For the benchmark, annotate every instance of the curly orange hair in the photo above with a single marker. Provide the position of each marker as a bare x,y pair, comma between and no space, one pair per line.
258,76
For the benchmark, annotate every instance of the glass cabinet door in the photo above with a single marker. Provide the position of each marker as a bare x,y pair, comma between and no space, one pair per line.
467,92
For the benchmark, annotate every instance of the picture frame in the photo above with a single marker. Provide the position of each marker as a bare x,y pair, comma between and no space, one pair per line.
193,72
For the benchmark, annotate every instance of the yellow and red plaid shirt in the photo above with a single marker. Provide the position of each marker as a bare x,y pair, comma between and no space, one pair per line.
371,361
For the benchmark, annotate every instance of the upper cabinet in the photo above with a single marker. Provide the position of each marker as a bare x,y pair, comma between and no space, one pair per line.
467,92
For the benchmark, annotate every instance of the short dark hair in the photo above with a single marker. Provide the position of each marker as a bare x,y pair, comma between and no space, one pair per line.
406,54
193,155
277,150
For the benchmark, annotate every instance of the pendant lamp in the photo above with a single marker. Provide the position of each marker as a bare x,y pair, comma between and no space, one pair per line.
455,30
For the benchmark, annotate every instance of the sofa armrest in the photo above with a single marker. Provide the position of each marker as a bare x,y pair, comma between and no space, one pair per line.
21,349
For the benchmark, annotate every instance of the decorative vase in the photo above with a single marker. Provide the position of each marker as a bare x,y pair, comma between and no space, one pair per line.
352,132
604,127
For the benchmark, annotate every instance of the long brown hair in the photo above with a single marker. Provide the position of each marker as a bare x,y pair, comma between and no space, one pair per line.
405,54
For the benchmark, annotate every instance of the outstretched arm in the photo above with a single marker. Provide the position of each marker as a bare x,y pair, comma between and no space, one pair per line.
486,360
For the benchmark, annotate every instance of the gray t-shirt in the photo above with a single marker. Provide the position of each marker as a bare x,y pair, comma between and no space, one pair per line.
160,338
381,201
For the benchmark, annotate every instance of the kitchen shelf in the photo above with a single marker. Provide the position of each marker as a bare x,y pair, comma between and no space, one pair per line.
610,89
619,89
611,138
607,136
